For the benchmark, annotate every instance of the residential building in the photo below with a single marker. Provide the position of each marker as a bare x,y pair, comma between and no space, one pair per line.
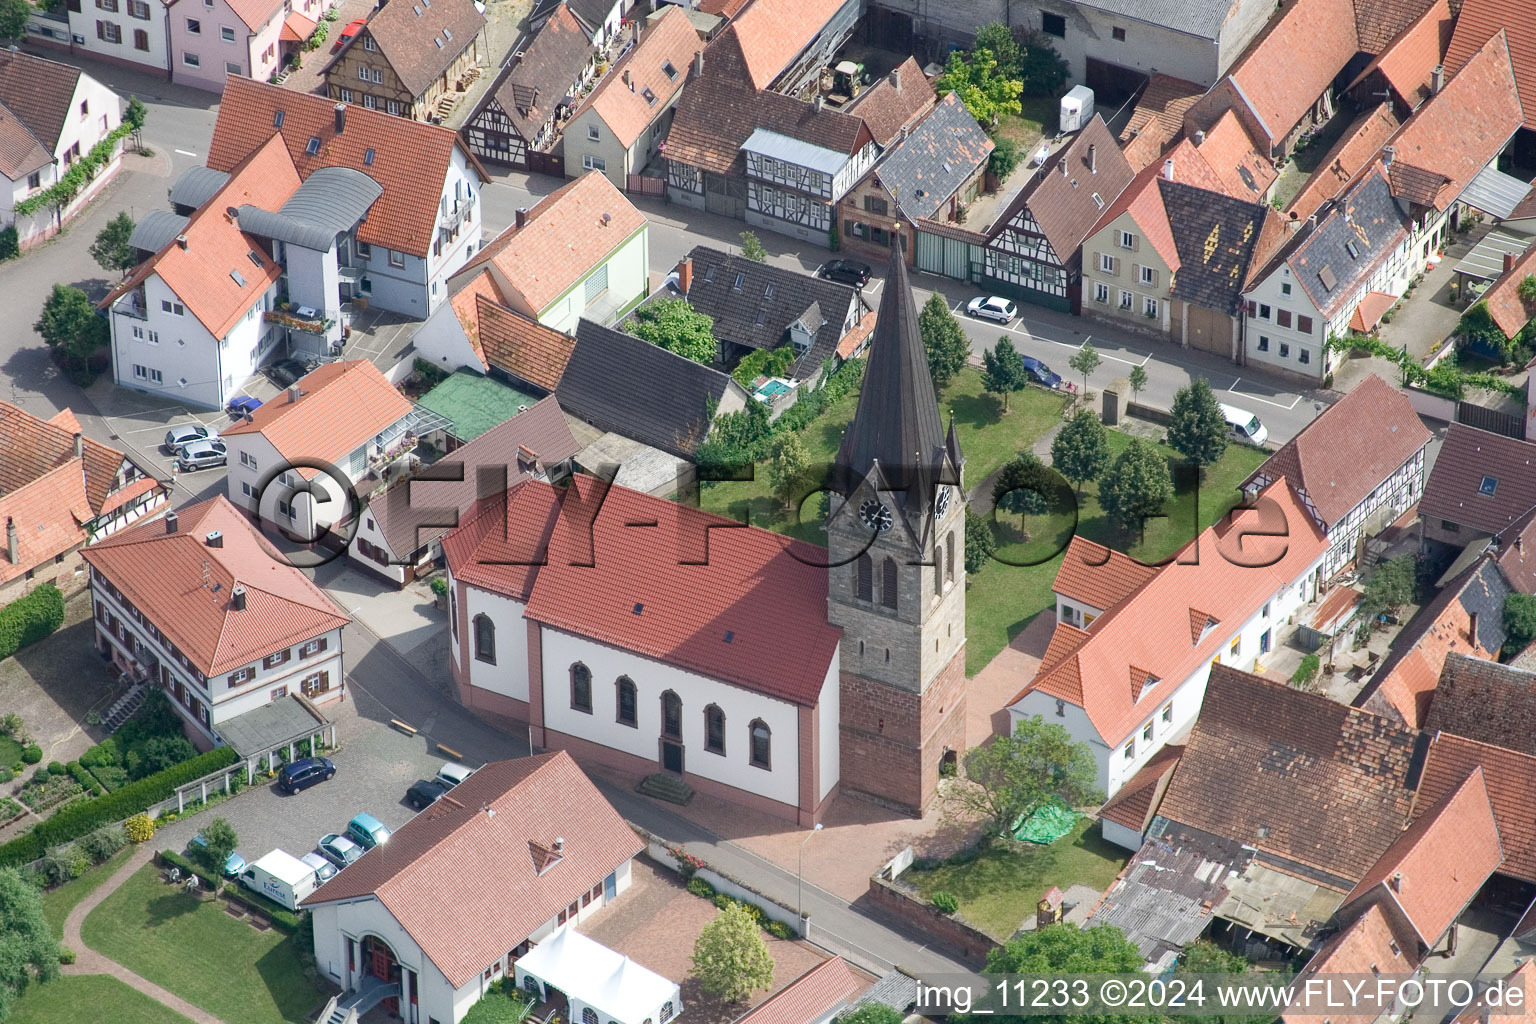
1510,312
1034,248
1357,468
518,122
775,161
307,460
51,116
1357,148
1509,776
816,997
1126,816
601,20
204,607
60,491
581,252
533,849
219,39
930,172
412,60
1136,679
1157,121
1325,279
895,103
1478,21
401,529
1484,701
1411,68
761,306
476,330
127,33
619,128
783,45
1515,561
1480,486
1367,945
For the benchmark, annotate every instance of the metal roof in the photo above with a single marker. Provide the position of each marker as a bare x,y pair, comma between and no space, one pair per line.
1495,193
794,151
331,200
1486,260
157,230
197,186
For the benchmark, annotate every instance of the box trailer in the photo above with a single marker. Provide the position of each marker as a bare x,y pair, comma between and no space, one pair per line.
1076,109
280,877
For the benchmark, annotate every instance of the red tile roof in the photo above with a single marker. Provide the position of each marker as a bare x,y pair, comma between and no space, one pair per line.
1478,21
1511,781
1151,628
855,339
411,158
621,103
1294,62
887,107
420,41
521,346
812,997
1517,553
1505,305
1061,196
1143,200
772,33
567,235
1459,131
479,838
341,405
1373,306
40,92
1440,862
1243,171
1367,946
646,590
1409,60
255,13
214,274
1355,150
21,152
1134,803
183,585
1522,979
1346,453
1157,119
1098,576
1487,702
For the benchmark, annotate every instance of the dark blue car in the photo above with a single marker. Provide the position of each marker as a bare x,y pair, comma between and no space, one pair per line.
1040,373
242,405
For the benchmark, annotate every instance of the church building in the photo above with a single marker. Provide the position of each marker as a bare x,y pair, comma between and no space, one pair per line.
656,638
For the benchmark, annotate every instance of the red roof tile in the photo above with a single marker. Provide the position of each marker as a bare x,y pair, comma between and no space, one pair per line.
887,107
1243,171
1505,305
1409,60
1098,576
255,13
182,585
1378,22
1373,306
1355,150
1062,196
1522,979
1511,781
812,997
772,33
1487,702
1134,803
1294,61
1478,21
855,339
420,41
411,158
621,102
1157,119
1440,862
1517,553
1366,947
521,346
1346,453
479,837
1458,131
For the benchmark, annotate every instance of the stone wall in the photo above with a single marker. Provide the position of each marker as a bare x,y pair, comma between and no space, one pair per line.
946,931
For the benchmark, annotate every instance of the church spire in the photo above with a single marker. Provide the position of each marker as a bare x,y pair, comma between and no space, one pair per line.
897,423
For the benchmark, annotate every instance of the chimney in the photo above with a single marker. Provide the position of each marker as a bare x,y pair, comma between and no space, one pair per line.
559,844
1062,166
341,118
1397,881
1437,79
237,599
1200,136
1093,159
818,102
1509,264
522,216
896,79
1294,224
181,240
628,80
685,274
1312,222
1472,630
12,546
170,521
214,539
698,64
80,443
1387,153
1168,169
293,392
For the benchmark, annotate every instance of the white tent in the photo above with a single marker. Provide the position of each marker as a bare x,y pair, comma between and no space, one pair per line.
594,978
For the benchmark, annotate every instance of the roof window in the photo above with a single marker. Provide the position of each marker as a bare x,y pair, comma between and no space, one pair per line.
439,41
255,258
650,97
739,279
277,119
1098,200
639,608
1352,249
1488,486
729,635
668,70
314,145
447,33
235,274
368,158
768,290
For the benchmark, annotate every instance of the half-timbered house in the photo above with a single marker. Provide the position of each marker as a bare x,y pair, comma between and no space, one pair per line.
1034,250
525,110
412,58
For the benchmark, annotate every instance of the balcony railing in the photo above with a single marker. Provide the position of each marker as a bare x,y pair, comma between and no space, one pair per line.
317,325
452,220
133,309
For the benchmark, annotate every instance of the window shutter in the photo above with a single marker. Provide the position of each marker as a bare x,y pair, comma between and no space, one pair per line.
101,26
1135,242
1253,308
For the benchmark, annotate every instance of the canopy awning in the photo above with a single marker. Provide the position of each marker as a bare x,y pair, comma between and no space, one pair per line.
296,28
591,974
1370,311
1495,193
1486,260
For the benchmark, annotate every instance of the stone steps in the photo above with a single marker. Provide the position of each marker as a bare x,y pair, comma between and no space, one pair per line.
123,710
664,786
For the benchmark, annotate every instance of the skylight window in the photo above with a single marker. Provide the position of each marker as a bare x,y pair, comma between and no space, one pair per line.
439,41
277,119
768,291
237,278
739,279
669,71
1352,249
1098,200
639,608
447,33
314,145
368,158
1488,486
650,97
255,258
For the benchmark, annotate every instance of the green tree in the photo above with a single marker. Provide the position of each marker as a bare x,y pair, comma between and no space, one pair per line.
1198,431
1024,486
986,93
111,249
979,543
737,441
28,951
1519,622
1043,71
1527,289
1080,449
158,753
136,114
1136,486
999,38
1068,949
943,340
788,466
221,842
1389,587
871,1013
1479,327
70,326
1205,957
730,958
13,18
1003,370
1085,360
752,247
1138,382
1004,159
677,327
1013,776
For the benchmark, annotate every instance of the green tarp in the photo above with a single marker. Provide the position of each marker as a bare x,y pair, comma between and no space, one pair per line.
1046,825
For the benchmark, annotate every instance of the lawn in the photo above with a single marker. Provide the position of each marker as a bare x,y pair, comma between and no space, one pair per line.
71,999
58,903
1037,117
189,947
1008,592
997,892
10,752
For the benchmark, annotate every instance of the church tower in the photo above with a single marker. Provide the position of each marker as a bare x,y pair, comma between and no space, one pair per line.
896,543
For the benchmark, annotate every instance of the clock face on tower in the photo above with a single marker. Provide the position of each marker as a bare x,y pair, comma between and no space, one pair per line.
941,503
875,515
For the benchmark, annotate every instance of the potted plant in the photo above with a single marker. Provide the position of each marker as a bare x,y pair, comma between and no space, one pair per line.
440,593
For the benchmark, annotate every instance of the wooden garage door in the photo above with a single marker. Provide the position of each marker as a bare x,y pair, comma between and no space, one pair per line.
1209,331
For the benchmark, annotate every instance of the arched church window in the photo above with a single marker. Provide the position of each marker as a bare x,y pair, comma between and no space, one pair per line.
888,583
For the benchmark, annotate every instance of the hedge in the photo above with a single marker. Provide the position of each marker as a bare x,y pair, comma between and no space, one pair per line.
28,619
78,819
281,916
188,866
86,779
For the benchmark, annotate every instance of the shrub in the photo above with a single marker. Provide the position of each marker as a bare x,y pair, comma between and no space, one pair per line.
66,955
1306,671
57,768
6,775
439,586
699,887
86,780
946,902
103,842
723,901
10,242
11,725
280,915
56,866
111,777
171,858
28,619
780,930
32,754
926,863
960,858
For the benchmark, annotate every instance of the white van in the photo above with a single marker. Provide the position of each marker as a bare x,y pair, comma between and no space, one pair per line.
280,877
1245,425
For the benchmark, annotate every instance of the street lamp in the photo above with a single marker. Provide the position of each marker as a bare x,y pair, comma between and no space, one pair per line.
800,875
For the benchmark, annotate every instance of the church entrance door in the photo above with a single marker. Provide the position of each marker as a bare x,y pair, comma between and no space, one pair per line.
672,756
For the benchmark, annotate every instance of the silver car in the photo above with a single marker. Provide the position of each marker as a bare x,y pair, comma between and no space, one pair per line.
324,869
992,307
198,454
176,437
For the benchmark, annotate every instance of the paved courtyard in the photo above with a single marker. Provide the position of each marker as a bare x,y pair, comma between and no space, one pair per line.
55,683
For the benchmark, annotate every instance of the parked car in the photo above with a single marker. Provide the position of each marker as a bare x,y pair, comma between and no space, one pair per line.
368,831
349,33
176,437
305,772
233,864
286,371
280,877
992,307
1245,426
451,774
324,870
424,792
1040,373
846,271
338,849
242,405
200,454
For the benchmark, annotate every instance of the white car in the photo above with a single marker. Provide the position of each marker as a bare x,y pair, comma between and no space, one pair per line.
992,307
178,436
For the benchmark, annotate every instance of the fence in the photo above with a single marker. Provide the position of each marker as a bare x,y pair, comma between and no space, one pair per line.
1491,420
639,184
